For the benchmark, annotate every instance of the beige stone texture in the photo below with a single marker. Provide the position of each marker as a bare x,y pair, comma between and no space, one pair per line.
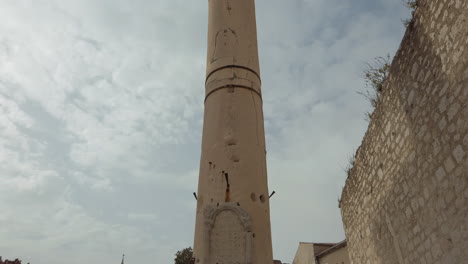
233,214
312,253
405,200
339,256
305,254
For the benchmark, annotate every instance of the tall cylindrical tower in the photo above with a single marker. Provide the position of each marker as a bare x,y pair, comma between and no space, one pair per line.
233,212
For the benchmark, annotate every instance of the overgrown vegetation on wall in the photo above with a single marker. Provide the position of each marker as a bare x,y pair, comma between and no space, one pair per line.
411,4
375,76
377,71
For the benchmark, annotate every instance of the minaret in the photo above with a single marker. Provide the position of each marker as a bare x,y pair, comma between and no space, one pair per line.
233,211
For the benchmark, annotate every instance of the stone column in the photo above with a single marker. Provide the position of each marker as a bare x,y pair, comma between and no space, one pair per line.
233,212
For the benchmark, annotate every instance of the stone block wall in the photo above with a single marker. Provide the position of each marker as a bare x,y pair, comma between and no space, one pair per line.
406,197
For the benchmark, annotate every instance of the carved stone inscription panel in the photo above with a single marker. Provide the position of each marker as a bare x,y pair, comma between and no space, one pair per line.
228,239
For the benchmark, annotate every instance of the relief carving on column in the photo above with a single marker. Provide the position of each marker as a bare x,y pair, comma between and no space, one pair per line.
228,235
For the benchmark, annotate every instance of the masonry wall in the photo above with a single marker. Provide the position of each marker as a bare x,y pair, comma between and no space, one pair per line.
340,256
406,198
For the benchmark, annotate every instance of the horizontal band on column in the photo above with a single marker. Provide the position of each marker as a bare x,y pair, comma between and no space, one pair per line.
233,66
234,86
227,81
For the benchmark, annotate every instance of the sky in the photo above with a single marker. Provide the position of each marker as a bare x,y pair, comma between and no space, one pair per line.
101,113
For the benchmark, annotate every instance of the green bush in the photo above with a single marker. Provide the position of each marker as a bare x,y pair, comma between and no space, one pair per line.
184,256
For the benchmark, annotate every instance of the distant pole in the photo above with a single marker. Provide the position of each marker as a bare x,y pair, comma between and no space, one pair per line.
123,257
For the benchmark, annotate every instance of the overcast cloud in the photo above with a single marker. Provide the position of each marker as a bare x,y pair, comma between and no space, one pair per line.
101,106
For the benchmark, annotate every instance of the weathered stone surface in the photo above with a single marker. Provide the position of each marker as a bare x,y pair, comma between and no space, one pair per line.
233,213
228,239
406,199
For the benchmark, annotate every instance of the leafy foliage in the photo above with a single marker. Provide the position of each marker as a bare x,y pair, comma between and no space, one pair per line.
375,76
411,4
6,261
184,256
349,167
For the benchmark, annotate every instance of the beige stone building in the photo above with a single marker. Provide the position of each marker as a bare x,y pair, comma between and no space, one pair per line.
322,253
